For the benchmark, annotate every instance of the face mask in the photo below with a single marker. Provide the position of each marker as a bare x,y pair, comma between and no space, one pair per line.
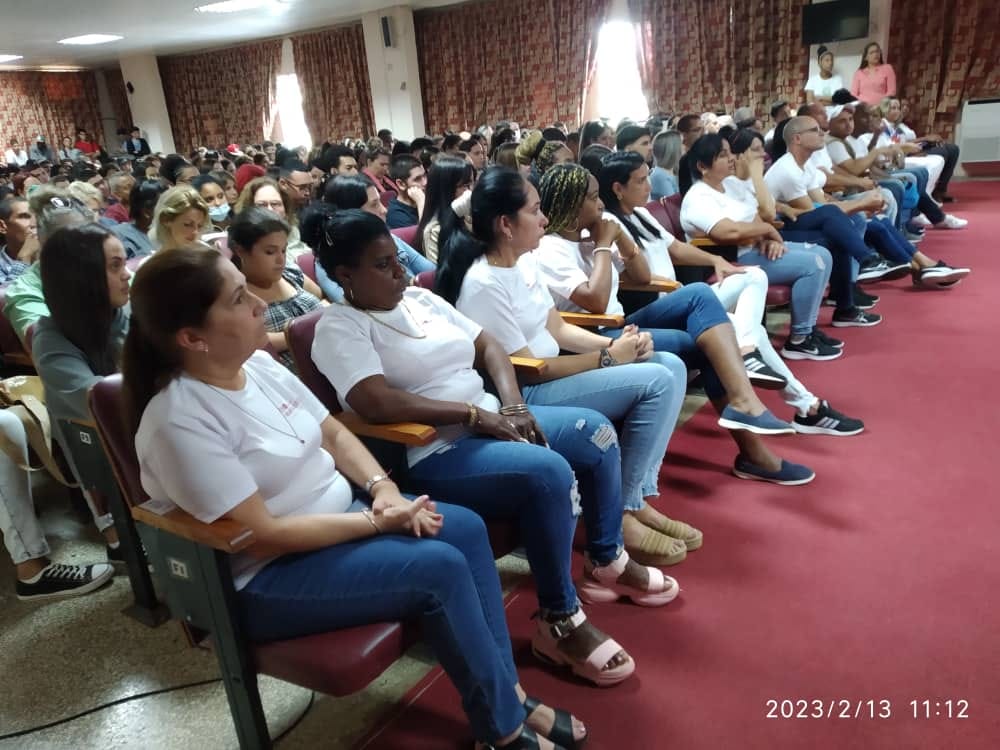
219,213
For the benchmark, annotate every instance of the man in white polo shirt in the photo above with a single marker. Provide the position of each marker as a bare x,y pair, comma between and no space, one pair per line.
810,216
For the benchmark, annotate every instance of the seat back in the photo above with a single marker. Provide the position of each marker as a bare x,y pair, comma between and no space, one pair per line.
89,459
299,335
119,442
406,234
667,211
307,264
386,197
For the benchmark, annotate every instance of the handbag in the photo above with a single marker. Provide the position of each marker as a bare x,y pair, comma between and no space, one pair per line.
911,196
24,396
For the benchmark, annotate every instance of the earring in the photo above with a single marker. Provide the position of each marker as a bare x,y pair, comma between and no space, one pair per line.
509,235
349,293
203,348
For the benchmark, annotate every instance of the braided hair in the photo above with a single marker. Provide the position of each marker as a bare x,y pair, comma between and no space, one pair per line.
563,191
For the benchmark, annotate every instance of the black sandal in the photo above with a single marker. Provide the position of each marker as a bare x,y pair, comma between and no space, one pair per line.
561,733
526,740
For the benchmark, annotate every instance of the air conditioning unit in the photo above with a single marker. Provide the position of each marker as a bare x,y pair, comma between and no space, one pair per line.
980,141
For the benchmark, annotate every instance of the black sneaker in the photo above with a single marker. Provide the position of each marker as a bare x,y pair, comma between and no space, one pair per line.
939,275
828,340
828,421
855,318
761,374
863,300
59,581
877,268
809,348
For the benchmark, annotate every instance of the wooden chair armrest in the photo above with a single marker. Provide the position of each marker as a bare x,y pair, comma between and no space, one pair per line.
703,242
593,320
84,423
529,365
225,534
407,433
20,359
662,285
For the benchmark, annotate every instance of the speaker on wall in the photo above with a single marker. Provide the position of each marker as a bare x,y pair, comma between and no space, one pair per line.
386,32
130,87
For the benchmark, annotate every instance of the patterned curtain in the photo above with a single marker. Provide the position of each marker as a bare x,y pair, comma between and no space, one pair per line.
223,96
716,55
51,104
530,62
119,97
332,69
944,54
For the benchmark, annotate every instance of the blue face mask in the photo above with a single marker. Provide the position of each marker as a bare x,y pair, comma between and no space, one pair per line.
219,213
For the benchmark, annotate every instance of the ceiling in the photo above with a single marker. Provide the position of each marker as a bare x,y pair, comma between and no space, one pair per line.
32,27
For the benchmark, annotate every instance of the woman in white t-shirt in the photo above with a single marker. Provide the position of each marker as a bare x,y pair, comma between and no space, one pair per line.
821,87
226,432
502,292
727,207
396,353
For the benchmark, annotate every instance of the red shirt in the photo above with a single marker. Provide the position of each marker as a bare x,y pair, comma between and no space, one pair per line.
117,212
87,147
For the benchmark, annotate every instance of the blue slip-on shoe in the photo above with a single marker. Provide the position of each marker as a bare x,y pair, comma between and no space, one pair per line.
788,474
763,424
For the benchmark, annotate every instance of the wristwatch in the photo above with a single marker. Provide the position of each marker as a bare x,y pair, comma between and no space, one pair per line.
606,360
373,481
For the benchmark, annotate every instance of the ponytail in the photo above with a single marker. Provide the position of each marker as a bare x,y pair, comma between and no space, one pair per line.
499,192
618,168
145,371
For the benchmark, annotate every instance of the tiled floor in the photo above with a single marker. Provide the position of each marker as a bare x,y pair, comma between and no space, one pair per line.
62,658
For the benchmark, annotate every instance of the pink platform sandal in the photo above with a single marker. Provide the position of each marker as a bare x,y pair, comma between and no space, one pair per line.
601,585
545,646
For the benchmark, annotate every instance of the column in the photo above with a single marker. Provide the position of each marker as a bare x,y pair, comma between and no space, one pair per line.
148,105
394,72
109,123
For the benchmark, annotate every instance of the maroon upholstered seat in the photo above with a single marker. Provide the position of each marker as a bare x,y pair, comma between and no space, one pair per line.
307,264
386,197
406,234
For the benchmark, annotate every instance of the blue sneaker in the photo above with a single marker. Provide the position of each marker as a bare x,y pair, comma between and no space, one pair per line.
788,474
762,424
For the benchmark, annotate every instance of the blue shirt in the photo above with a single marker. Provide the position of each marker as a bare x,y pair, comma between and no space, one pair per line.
401,215
11,268
663,183
409,259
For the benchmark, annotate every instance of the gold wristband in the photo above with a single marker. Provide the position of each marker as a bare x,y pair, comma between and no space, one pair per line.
473,419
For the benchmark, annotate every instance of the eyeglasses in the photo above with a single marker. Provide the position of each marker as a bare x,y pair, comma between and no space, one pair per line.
268,204
303,186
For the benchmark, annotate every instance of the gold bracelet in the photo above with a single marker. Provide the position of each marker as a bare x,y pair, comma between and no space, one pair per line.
371,519
473,419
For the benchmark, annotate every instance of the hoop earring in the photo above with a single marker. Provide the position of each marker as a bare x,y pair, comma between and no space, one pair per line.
349,293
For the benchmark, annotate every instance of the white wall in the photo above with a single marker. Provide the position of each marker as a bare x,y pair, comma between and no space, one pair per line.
148,105
394,73
847,54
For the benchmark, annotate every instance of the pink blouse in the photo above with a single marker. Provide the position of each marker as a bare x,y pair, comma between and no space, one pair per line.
872,85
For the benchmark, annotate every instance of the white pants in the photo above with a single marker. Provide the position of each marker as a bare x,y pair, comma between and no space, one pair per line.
744,297
934,165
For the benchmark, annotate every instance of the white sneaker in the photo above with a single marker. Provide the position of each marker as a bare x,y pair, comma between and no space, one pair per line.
920,220
951,222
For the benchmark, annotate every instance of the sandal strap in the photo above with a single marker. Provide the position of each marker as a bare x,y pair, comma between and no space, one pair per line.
562,628
612,571
561,733
603,653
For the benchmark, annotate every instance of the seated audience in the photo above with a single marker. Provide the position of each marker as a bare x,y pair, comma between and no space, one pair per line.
689,322
410,179
894,130
257,238
228,182
780,112
192,377
635,138
448,180
177,170
506,156
120,189
690,127
475,149
492,280
85,144
592,158
67,152
552,153
820,87
528,150
666,156
214,195
263,192
15,155
599,132
134,234
296,182
344,193
495,463
340,159
136,145
377,170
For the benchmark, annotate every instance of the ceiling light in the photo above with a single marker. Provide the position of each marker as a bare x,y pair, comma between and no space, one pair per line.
10,58
91,39
233,6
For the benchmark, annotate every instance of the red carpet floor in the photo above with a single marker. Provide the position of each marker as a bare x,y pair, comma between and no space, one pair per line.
879,581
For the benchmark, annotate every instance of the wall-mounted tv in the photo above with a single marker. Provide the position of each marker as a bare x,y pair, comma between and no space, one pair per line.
834,21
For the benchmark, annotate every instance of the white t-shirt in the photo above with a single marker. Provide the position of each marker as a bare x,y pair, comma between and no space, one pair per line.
837,151
207,450
423,346
564,265
787,181
704,207
769,135
655,248
824,87
511,304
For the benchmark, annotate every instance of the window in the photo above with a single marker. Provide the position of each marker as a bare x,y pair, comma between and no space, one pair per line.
619,89
293,123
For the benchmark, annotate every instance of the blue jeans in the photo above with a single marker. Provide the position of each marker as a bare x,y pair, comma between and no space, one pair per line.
448,583
505,480
645,397
676,320
808,271
837,232
885,238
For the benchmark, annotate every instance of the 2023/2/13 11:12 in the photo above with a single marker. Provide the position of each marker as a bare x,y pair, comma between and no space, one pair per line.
940,709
